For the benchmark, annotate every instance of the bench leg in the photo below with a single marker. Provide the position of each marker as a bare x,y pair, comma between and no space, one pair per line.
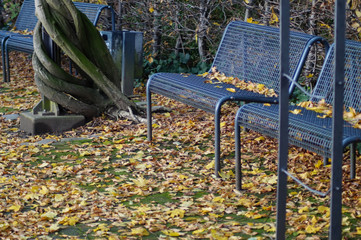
325,161
353,160
217,140
149,113
3,57
237,142
7,62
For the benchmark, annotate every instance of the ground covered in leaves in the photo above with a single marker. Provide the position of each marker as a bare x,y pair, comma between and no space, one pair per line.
106,181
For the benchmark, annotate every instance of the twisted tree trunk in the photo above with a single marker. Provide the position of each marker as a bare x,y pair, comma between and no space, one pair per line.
76,36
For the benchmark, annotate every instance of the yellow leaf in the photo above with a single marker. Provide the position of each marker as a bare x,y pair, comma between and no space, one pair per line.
312,229
218,235
15,208
245,202
150,60
44,190
226,174
296,111
59,198
218,199
246,1
231,90
261,138
151,9
53,227
318,164
261,87
199,231
314,220
254,215
322,116
267,104
247,185
324,210
355,25
140,231
223,124
102,227
358,13
210,165
358,230
69,220
304,209
171,233
176,213
274,18
301,218
203,74
48,215
325,25
140,182
250,20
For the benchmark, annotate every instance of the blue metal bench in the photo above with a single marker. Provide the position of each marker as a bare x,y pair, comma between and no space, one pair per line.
307,129
27,21
247,51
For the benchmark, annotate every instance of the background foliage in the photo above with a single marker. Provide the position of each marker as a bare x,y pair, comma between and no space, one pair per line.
183,35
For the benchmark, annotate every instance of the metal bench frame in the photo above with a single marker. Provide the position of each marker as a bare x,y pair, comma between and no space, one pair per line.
27,21
244,52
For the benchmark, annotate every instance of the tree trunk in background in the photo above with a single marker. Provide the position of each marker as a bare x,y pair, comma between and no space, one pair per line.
248,9
202,28
312,20
1,14
119,18
312,59
267,13
157,29
177,30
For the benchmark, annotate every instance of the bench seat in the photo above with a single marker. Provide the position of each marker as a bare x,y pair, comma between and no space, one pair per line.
192,90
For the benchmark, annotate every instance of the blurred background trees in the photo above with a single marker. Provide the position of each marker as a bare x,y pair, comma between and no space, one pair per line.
183,35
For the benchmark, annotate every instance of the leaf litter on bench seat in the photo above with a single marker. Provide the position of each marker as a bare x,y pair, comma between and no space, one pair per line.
350,115
216,77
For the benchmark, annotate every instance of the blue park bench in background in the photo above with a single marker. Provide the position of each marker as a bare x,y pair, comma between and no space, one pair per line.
26,21
247,51
308,129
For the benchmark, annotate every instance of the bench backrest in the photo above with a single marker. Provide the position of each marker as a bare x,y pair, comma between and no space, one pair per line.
252,53
93,11
352,87
27,20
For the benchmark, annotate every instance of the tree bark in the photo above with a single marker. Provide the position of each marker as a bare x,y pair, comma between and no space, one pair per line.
202,28
248,10
72,31
157,30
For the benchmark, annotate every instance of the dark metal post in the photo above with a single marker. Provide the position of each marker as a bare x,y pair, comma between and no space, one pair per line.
337,122
283,122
